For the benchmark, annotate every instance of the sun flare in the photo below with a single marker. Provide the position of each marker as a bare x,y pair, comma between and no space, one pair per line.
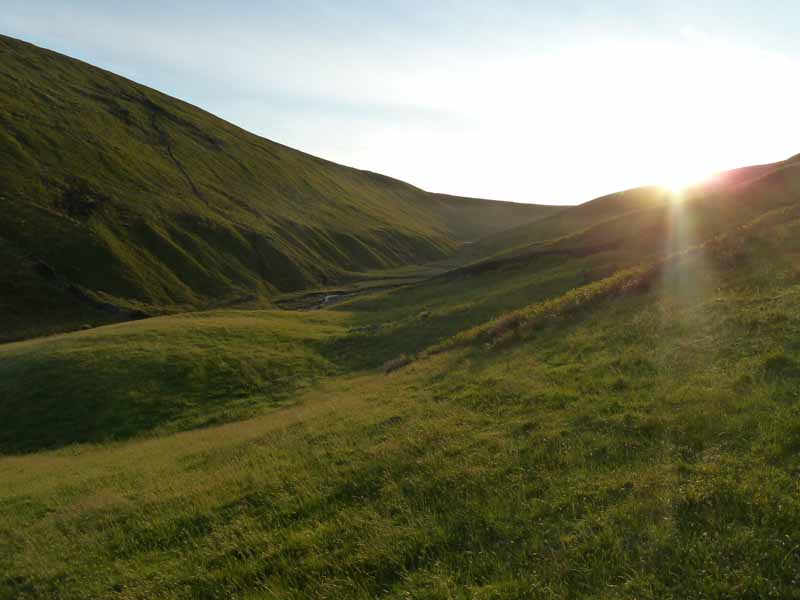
679,183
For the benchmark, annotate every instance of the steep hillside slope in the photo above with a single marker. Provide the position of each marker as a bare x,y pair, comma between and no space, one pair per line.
113,194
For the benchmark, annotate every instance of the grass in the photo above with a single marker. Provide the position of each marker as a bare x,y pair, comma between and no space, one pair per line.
584,461
156,376
178,372
605,407
568,221
416,318
644,444
115,195
640,222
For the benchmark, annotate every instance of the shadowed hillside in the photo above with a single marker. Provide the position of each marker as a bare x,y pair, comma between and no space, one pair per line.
117,198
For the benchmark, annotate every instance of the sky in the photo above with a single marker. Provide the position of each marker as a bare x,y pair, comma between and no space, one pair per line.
549,102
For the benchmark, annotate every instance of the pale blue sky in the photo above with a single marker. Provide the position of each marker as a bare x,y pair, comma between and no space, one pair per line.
529,101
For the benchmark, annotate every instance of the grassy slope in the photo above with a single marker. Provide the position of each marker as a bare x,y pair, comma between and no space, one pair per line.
639,443
478,218
625,426
373,329
178,372
418,317
617,207
567,221
700,215
159,375
616,240
113,192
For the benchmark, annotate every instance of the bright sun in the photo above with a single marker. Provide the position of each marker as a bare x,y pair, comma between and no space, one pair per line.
678,183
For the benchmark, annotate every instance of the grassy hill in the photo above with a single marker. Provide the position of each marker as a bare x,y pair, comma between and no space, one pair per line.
116,199
159,375
687,219
605,405
633,435
226,365
567,221
574,220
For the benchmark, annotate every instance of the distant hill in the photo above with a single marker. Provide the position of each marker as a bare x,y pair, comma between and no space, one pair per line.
115,197
568,220
734,199
600,214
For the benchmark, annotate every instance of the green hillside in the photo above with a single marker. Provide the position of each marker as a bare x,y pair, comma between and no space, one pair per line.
686,220
618,435
575,219
566,221
159,375
601,403
116,199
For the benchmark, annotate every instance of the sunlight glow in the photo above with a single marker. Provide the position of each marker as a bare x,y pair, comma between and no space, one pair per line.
585,119
679,183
